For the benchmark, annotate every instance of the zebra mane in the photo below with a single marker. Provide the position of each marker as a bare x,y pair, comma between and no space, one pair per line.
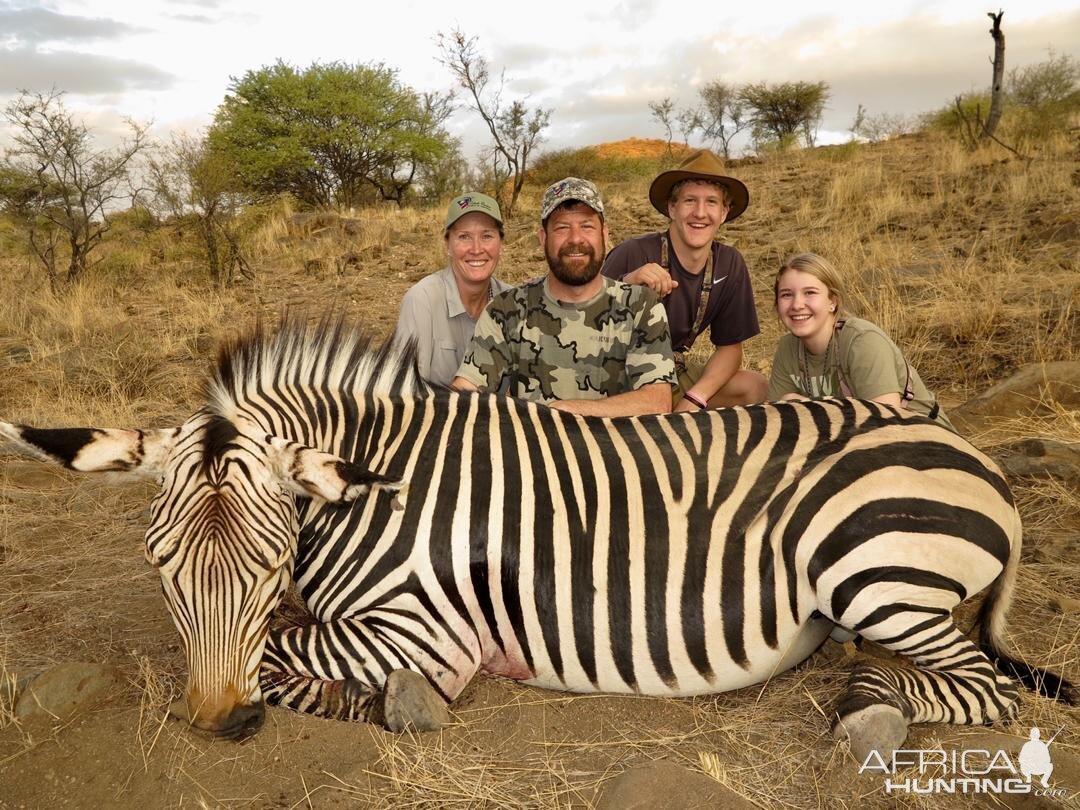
329,355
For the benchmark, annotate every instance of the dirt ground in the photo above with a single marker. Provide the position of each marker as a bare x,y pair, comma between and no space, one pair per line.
73,586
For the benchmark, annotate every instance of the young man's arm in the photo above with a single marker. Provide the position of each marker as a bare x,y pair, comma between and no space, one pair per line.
720,368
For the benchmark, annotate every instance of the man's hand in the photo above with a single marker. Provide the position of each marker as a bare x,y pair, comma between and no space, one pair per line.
461,384
685,406
653,276
649,399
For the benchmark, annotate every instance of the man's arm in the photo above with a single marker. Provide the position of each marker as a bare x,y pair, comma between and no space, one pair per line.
651,398
627,263
461,384
720,368
487,357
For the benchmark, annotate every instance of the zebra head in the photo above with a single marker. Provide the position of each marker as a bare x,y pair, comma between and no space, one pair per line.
222,536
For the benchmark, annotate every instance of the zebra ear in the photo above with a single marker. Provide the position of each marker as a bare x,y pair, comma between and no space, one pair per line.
137,453
307,471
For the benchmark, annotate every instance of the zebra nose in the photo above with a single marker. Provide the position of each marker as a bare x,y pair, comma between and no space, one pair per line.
243,721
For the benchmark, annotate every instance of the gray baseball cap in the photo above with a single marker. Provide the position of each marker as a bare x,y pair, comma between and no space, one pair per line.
570,188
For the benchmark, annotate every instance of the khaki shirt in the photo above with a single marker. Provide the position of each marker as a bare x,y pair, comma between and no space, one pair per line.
871,364
432,314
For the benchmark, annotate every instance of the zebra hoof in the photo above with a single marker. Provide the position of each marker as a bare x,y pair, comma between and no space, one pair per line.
877,728
410,702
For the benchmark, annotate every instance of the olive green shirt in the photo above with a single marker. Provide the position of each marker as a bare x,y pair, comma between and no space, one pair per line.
871,364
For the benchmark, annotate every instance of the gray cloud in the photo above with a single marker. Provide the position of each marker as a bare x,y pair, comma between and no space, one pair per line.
201,19
32,25
27,69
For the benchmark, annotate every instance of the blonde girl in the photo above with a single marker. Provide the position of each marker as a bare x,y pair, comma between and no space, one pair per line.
829,353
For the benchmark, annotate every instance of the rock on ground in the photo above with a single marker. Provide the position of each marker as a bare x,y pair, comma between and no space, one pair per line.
1040,458
1025,393
670,786
61,691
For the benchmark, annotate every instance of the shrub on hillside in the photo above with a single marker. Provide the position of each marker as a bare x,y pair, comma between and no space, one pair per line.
590,164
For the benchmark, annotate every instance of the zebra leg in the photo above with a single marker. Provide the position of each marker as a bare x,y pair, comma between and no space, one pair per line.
953,682
301,671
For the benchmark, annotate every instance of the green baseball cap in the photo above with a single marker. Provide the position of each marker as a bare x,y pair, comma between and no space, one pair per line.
468,203
571,188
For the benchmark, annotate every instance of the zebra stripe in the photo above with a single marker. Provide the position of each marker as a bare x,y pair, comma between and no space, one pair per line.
670,555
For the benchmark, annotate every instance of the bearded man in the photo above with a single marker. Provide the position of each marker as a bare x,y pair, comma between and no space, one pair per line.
574,339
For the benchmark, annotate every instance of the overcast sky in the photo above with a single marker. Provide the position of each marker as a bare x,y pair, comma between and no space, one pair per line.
596,64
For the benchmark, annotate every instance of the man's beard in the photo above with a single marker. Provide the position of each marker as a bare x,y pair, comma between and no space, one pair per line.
574,273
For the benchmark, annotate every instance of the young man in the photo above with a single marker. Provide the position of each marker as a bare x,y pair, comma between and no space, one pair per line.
703,283
574,339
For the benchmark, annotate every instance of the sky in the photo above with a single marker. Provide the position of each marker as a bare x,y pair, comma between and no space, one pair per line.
596,64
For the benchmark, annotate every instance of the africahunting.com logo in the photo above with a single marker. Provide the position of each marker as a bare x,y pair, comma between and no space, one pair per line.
970,770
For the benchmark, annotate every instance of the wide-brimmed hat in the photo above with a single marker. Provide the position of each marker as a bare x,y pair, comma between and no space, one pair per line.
570,188
469,203
701,165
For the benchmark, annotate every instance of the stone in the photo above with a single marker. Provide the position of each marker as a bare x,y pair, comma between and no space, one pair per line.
65,689
1025,393
410,702
668,785
1040,458
1066,774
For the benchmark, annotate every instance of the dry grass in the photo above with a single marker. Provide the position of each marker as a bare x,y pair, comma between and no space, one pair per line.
969,260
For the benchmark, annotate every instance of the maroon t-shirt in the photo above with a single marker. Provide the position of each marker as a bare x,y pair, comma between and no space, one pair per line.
731,316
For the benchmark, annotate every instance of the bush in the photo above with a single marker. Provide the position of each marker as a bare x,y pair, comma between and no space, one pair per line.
590,164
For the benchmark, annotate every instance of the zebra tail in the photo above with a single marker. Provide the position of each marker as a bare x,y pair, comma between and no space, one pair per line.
991,624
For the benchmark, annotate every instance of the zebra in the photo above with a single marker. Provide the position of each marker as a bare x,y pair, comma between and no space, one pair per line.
435,534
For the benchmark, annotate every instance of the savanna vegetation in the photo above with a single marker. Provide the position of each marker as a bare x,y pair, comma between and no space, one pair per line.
968,257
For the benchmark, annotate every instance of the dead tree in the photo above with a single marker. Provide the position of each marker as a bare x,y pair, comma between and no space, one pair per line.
515,129
997,86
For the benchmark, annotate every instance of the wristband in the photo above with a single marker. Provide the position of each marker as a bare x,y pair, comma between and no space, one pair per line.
694,398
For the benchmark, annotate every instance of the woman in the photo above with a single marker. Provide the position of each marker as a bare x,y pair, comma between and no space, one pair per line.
440,312
828,354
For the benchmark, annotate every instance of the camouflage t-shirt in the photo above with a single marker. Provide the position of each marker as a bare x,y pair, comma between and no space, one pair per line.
548,350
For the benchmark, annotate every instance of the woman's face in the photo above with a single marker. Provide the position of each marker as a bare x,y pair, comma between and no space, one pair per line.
473,246
805,305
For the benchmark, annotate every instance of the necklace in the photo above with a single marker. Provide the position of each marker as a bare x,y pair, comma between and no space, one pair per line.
804,372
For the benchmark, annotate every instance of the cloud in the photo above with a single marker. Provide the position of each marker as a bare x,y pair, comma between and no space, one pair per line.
902,67
92,74
202,19
35,24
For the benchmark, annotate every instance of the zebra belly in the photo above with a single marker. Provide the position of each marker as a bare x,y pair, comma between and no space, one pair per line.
764,664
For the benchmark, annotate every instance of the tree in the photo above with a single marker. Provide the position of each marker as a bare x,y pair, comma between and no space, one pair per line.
997,92
330,134
1046,95
663,112
780,112
722,114
515,130
189,179
1055,81
57,186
